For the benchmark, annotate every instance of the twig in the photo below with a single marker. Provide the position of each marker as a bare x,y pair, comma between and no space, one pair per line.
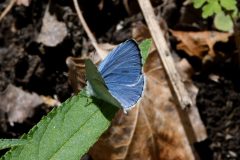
183,99
93,40
7,9
165,55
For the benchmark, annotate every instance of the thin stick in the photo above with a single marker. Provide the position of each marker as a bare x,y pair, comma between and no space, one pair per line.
93,40
165,55
181,94
7,9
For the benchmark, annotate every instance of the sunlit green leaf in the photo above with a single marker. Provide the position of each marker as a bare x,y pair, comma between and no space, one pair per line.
8,143
198,3
211,8
145,47
229,4
223,22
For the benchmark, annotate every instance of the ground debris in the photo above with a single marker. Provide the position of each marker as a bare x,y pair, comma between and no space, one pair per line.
18,104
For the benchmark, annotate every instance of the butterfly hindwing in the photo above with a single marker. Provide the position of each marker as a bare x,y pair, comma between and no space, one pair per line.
131,97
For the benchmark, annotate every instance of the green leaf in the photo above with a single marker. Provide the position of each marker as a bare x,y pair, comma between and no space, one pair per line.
8,143
67,132
198,3
223,22
211,8
97,86
229,4
144,48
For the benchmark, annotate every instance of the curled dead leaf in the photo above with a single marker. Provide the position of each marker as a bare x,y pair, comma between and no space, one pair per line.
199,44
76,73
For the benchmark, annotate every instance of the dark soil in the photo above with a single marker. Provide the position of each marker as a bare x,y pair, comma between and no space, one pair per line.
41,69
219,107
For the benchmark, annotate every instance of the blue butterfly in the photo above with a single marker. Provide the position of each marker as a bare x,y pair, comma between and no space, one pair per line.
121,74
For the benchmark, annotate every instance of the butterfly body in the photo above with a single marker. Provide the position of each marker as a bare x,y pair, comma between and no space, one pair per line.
121,75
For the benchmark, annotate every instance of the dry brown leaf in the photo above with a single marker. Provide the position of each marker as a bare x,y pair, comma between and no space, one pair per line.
152,130
18,104
52,32
199,43
76,73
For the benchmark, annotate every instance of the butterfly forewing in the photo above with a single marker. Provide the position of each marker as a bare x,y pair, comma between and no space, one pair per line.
122,73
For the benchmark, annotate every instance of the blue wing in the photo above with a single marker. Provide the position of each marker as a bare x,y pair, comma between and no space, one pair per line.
122,73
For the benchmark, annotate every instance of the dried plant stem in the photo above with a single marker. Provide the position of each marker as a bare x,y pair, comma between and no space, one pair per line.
7,9
90,35
176,84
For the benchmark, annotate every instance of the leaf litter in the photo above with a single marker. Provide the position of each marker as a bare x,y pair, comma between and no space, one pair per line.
52,32
18,104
